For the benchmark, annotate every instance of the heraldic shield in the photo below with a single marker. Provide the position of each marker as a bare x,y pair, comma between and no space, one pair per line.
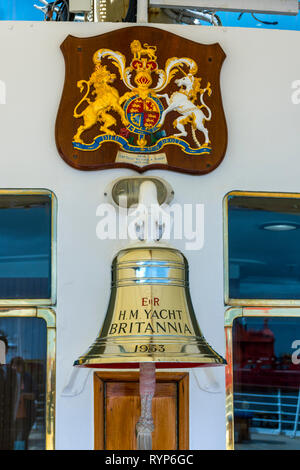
142,98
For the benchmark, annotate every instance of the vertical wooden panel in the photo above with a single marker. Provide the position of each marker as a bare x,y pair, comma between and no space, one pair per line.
122,408
183,412
98,412
121,411
165,412
117,409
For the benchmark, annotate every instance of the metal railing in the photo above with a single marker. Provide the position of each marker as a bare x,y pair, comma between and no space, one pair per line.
273,413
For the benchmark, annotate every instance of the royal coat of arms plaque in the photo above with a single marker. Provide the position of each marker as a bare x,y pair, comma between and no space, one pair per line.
142,98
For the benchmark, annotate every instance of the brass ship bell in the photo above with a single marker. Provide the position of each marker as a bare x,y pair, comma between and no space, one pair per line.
150,316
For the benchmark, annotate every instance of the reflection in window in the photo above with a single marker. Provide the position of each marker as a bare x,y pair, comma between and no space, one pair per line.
266,383
263,247
23,360
25,246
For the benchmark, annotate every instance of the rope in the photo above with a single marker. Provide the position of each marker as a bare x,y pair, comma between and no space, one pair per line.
145,424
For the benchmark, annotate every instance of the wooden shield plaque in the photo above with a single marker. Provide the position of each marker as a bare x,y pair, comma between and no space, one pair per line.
142,98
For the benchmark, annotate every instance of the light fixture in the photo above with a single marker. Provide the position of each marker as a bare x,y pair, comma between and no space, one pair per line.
280,227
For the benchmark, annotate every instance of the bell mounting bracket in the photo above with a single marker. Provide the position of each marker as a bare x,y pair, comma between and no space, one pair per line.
125,192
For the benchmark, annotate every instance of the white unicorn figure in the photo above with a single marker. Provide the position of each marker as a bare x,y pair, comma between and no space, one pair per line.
182,101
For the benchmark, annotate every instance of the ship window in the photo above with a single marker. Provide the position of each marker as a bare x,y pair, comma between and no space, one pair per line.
264,400
27,365
27,247
262,256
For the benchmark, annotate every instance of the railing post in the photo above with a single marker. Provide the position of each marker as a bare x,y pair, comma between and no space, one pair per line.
279,410
296,416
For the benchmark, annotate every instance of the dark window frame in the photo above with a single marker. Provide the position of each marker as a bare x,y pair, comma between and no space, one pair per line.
53,289
243,301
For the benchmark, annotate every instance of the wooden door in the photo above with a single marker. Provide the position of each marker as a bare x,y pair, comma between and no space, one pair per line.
117,409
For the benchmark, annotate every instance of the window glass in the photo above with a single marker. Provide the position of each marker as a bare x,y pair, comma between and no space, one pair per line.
266,383
263,247
25,246
23,357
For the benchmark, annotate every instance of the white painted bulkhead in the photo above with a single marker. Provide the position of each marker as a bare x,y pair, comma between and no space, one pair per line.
263,155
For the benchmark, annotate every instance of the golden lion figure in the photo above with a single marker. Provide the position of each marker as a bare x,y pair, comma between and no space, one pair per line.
138,51
107,98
